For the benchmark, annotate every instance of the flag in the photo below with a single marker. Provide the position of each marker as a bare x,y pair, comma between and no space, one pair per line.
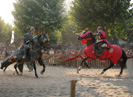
12,38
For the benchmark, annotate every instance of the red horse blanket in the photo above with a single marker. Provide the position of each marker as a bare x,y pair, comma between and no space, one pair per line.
113,54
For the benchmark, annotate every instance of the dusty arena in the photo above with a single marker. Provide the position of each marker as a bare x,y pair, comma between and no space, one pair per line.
56,82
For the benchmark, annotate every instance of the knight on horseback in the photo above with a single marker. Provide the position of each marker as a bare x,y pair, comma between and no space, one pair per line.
26,41
102,44
34,54
113,53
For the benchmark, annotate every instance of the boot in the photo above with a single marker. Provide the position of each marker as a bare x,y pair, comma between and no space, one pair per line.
100,51
95,48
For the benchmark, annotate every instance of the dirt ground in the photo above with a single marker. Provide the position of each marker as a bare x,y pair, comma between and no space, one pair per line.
55,82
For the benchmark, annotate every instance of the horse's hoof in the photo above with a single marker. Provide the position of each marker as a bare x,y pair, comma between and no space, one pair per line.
102,73
42,71
79,68
119,75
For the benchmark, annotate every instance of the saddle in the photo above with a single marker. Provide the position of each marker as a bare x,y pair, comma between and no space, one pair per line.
99,47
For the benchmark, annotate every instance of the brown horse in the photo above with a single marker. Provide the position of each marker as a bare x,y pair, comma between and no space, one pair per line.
34,53
115,54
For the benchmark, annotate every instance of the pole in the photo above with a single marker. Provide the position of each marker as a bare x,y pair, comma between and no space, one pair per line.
73,83
77,65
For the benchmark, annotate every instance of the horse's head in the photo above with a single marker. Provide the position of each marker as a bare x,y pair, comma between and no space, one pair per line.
44,40
85,36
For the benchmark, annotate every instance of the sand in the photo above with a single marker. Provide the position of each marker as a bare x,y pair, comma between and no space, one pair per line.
55,82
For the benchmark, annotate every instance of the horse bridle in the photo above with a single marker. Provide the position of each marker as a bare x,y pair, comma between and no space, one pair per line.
39,44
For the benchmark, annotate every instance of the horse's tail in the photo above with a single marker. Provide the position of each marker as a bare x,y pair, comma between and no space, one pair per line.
124,57
5,63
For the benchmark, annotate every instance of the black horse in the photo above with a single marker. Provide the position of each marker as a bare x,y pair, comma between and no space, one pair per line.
115,54
34,53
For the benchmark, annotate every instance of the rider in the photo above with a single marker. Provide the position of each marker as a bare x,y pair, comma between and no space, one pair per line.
26,40
102,35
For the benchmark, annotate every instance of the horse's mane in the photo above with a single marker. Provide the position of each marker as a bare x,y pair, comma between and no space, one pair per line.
93,37
36,38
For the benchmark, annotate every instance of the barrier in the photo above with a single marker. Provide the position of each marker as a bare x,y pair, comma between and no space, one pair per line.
130,66
2,56
59,60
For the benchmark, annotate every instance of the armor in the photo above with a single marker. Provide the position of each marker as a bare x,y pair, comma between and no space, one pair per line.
103,43
27,38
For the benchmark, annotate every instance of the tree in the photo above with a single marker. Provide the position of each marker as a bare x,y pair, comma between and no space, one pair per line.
44,15
5,31
69,32
110,14
128,28
5,34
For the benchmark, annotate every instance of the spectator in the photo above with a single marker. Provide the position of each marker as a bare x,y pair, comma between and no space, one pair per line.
51,53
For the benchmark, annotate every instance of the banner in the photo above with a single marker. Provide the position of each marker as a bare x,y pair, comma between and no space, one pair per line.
12,38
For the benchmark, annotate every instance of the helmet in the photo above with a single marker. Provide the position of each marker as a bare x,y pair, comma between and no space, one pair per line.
100,28
32,29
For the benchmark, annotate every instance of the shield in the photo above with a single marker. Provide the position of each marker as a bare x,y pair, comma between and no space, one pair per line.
130,66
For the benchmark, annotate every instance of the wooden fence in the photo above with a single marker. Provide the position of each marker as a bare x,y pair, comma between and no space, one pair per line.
93,63
2,56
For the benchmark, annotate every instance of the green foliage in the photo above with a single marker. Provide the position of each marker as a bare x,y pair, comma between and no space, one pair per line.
68,31
128,27
110,14
92,13
44,15
5,31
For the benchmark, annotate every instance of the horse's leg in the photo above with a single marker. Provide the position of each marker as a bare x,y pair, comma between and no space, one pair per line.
41,62
20,67
122,65
79,68
111,65
34,65
4,69
15,67
122,62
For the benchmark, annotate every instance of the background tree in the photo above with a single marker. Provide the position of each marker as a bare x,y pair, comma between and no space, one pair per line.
128,29
5,31
69,32
110,14
44,15
5,34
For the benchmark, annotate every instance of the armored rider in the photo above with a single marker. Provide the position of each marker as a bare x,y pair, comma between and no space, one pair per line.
26,41
103,44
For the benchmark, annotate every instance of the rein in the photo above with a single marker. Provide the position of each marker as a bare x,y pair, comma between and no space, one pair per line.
35,50
37,43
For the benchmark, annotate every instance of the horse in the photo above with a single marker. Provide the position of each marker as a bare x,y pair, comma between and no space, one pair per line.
114,54
34,53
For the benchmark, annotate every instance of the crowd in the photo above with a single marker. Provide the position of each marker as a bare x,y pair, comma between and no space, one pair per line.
57,57
128,52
